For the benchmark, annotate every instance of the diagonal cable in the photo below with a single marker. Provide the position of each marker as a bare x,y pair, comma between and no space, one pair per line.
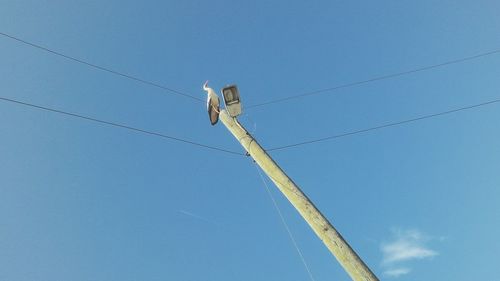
276,206
138,130
102,68
392,124
378,78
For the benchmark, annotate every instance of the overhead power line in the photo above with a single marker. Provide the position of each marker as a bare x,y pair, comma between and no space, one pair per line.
384,125
279,100
379,78
137,130
102,68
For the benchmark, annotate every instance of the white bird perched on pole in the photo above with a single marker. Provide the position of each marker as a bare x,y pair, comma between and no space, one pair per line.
212,104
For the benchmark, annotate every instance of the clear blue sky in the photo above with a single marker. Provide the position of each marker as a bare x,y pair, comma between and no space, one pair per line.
83,201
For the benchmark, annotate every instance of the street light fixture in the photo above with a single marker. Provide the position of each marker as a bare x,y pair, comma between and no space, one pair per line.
232,100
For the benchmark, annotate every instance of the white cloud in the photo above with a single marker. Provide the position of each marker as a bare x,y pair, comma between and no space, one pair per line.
406,246
403,250
396,272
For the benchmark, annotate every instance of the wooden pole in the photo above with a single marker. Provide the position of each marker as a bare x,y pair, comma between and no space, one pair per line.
346,256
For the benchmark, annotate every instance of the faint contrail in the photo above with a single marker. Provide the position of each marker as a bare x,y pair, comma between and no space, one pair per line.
198,217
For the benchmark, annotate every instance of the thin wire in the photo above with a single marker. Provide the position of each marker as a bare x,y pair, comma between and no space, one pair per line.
285,224
385,125
118,125
105,69
383,77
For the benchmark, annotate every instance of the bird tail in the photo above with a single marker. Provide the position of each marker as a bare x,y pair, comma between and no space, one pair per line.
205,86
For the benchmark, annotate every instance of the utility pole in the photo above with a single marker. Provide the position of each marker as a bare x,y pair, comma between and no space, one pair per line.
344,254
